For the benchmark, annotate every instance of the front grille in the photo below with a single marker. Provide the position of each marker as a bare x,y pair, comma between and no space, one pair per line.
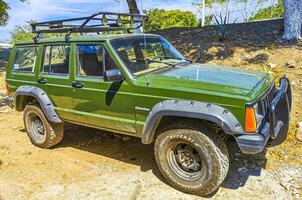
266,100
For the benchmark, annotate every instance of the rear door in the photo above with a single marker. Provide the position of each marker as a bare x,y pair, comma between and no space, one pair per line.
106,105
55,78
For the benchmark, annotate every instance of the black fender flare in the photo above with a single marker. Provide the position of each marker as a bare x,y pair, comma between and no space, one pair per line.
41,97
190,109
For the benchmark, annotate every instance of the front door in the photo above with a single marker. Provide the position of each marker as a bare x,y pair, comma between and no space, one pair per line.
55,78
100,104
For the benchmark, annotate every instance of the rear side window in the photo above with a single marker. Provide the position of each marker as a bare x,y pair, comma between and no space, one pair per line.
56,59
25,59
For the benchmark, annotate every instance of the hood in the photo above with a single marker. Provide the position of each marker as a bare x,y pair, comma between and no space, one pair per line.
213,78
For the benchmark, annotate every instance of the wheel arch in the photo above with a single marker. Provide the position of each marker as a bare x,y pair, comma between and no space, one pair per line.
26,94
212,113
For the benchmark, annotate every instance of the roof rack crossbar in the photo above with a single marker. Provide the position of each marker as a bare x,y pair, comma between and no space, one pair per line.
95,23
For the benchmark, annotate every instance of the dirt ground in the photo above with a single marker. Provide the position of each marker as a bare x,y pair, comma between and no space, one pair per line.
91,164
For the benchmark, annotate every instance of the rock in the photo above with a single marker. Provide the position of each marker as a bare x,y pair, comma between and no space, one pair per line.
299,132
272,65
290,64
293,83
246,56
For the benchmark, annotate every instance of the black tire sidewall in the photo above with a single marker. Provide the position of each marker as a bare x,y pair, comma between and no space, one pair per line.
37,111
202,145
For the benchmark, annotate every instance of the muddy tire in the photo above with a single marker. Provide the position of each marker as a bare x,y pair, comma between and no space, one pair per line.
41,132
192,157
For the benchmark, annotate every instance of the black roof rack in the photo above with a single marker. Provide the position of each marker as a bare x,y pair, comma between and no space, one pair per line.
96,23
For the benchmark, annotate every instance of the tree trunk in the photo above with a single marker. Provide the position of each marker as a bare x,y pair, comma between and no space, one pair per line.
133,6
292,19
134,10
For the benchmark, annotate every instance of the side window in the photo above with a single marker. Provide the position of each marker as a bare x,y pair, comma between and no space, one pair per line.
90,60
25,59
109,63
56,59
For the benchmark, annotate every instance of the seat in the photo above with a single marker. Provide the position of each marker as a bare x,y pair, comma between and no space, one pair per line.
90,65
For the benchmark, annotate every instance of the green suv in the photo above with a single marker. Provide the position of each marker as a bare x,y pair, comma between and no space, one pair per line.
140,85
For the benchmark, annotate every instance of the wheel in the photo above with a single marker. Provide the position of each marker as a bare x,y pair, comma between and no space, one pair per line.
192,157
41,132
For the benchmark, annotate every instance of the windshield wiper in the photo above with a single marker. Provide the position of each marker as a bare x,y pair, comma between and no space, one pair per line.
170,57
166,63
170,64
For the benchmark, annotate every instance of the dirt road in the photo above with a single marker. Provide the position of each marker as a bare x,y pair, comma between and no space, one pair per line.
90,164
95,165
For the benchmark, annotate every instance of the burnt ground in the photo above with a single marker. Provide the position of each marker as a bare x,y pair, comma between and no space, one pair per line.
91,164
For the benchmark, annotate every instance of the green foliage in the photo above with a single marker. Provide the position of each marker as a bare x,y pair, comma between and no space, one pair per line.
4,17
269,12
21,33
209,3
159,19
3,13
209,20
221,26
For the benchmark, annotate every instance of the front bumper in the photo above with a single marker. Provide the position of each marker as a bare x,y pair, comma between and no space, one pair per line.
276,123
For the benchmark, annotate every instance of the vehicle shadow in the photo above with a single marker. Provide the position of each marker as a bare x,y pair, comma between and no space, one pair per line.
132,151
242,166
111,145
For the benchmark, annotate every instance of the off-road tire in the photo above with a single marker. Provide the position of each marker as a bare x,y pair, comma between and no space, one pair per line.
53,133
207,142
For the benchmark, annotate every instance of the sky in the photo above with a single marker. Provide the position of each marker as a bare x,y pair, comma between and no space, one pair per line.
44,10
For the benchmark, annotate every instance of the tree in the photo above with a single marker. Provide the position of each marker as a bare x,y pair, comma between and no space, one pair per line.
4,17
3,13
272,11
292,20
21,33
160,19
133,7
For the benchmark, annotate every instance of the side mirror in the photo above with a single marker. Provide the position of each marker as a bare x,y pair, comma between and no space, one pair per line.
113,75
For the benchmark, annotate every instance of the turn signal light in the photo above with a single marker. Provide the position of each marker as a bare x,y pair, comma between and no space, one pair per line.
250,120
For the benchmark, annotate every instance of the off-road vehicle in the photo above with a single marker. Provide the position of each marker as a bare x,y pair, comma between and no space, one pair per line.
140,85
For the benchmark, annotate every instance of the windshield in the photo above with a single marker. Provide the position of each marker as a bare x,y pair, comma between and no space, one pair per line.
147,54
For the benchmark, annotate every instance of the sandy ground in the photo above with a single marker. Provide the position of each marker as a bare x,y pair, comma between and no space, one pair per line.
91,164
